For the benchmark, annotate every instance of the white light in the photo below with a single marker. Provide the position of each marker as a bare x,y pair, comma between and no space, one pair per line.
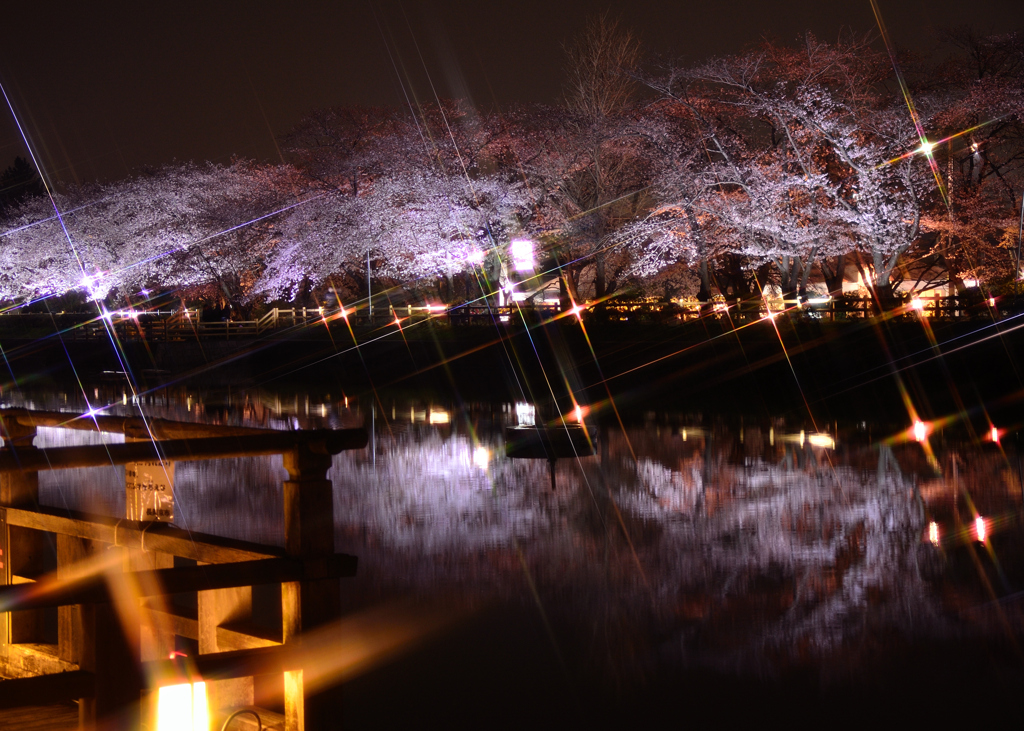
980,529
579,413
994,435
182,708
920,430
933,533
481,457
435,308
991,301
917,304
522,255
819,300
970,283
475,257
526,414
519,296
926,147
438,417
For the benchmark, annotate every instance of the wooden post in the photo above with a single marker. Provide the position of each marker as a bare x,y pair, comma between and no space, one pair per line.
24,549
309,531
72,643
155,642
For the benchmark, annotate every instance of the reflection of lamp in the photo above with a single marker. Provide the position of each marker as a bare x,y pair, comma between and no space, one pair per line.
182,708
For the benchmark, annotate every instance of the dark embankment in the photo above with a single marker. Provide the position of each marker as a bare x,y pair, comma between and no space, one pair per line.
840,370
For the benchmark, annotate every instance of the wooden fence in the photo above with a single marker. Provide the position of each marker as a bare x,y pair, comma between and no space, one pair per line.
113,635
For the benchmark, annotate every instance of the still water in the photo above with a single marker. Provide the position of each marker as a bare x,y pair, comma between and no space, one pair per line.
742,547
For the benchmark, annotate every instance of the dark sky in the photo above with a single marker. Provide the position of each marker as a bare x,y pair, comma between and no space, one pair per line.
104,88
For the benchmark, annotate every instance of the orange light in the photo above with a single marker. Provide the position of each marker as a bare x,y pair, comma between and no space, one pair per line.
980,529
994,435
579,413
917,304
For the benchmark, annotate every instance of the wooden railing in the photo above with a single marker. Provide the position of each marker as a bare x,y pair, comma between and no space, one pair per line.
106,639
189,325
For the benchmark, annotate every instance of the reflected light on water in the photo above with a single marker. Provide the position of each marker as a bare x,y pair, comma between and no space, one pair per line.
481,457
920,430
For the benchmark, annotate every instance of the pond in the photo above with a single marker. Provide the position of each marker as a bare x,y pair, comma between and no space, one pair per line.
692,556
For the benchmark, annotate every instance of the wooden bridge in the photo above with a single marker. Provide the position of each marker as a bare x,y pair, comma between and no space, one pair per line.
89,633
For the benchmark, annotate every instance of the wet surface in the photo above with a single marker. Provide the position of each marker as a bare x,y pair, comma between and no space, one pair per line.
691,556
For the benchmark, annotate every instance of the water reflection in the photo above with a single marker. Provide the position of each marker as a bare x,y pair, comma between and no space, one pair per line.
685,540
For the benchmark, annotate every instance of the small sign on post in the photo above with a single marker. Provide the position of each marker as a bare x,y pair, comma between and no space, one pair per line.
149,491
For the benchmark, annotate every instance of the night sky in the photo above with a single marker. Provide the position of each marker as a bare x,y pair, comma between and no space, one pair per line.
105,88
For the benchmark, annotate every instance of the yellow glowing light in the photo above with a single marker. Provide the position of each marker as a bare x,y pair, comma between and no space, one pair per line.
824,441
579,412
926,147
439,417
991,301
980,529
435,308
933,533
183,708
481,457
920,431
917,304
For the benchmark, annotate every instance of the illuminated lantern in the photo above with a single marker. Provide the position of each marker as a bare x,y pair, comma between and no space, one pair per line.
183,708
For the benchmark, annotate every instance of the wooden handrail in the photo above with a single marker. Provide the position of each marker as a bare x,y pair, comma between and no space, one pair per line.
161,582
159,428
327,441
157,537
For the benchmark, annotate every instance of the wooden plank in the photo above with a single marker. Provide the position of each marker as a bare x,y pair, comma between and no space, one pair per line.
244,636
181,624
160,582
159,428
24,659
46,689
331,441
51,717
144,536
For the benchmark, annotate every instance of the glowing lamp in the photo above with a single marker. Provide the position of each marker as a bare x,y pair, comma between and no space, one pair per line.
926,147
824,441
994,435
522,255
481,457
991,301
183,708
933,533
980,530
920,430
917,304
438,417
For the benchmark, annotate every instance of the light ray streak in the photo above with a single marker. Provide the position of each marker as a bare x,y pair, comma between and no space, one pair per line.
919,129
927,147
